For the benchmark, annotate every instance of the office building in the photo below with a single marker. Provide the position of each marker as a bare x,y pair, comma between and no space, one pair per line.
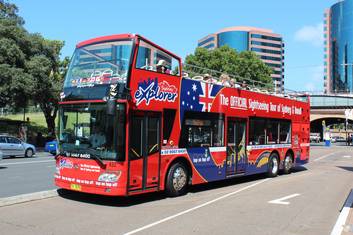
266,44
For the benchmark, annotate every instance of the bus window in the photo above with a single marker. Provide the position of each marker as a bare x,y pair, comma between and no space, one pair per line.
168,121
257,131
153,59
285,132
272,131
202,131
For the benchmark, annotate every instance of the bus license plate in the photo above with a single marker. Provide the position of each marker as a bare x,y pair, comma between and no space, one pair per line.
75,187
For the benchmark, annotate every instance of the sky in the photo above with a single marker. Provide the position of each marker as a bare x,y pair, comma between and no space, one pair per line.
177,25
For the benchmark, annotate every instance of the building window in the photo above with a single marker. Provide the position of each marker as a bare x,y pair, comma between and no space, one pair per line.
266,37
266,44
210,39
270,58
266,51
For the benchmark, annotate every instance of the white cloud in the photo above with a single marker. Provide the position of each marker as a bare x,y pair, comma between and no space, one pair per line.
315,81
311,34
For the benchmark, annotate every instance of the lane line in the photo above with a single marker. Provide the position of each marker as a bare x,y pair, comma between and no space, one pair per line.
8,201
342,218
194,208
19,163
325,156
281,200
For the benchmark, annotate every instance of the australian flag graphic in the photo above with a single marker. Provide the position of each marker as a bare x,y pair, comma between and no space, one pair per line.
197,96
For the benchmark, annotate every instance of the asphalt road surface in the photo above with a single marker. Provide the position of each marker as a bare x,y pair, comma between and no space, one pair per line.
308,201
22,175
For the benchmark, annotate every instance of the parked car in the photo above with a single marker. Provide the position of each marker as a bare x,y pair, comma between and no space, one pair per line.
0,155
11,147
51,147
338,139
315,137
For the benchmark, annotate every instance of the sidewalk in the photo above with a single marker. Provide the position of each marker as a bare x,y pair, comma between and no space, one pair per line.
344,224
348,227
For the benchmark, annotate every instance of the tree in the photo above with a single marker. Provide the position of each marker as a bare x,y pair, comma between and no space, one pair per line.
44,67
244,66
30,66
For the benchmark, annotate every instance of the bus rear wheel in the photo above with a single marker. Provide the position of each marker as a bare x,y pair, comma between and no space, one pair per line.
273,165
177,180
287,164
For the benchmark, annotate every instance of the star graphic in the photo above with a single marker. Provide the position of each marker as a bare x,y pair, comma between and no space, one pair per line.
194,88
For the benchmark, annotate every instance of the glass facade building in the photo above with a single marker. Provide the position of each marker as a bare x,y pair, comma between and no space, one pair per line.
266,44
338,57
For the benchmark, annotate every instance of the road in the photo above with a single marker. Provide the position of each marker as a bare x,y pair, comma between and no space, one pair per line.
308,201
26,175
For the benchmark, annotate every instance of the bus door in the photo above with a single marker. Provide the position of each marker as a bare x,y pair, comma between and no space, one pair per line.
144,151
236,147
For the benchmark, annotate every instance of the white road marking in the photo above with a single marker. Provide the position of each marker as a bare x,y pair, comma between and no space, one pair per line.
325,156
347,156
194,208
338,228
281,200
19,163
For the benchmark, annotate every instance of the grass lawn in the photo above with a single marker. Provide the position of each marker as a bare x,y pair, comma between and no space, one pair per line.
36,118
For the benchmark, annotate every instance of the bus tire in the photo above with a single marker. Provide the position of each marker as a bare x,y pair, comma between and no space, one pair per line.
177,180
287,164
273,165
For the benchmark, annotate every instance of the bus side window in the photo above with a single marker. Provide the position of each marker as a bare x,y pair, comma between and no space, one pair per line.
206,130
257,131
156,60
272,131
285,132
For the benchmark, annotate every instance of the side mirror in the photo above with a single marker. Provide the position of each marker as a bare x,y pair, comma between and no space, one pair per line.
111,107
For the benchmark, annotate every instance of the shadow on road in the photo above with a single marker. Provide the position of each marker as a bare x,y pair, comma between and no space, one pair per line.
347,168
150,197
299,169
3,167
111,201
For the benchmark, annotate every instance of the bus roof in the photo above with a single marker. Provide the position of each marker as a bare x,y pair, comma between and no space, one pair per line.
105,39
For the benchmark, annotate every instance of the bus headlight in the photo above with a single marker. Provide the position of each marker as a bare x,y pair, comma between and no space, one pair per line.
108,177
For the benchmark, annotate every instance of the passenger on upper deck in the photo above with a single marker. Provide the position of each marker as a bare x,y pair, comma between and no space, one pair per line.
244,86
208,78
234,83
225,80
162,66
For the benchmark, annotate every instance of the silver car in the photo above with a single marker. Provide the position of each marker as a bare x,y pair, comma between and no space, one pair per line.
11,146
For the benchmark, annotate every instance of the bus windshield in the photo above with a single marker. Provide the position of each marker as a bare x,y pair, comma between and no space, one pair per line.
87,129
103,63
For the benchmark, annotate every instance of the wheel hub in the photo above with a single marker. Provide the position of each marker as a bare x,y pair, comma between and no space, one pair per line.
179,178
274,165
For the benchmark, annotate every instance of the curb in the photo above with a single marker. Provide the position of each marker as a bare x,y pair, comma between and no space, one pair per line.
8,201
342,218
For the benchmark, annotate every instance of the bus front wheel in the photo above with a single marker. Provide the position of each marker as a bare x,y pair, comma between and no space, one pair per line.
177,180
273,165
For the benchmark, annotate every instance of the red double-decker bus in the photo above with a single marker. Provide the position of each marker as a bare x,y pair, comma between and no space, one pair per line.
130,123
